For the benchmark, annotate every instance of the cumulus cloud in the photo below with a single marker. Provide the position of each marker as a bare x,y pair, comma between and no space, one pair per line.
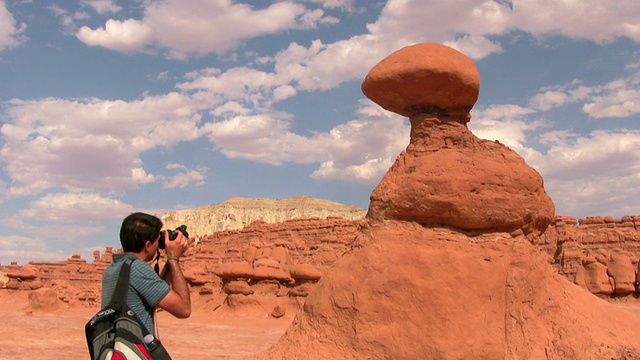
593,172
346,5
64,219
126,36
23,249
90,144
183,28
506,123
69,207
598,172
10,31
102,6
590,20
184,178
360,150
617,99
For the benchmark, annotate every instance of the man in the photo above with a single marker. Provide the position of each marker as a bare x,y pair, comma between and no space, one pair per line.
140,238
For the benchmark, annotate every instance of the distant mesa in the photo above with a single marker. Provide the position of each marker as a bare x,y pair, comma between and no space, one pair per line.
236,213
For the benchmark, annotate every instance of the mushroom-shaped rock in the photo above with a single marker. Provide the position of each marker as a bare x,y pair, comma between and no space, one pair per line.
305,272
447,176
425,75
238,287
240,269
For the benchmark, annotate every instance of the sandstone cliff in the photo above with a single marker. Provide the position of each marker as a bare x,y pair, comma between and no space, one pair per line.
236,213
580,250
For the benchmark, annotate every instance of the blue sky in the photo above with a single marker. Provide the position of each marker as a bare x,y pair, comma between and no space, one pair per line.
109,107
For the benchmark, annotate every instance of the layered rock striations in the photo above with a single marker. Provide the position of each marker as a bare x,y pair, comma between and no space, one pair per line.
447,176
581,250
598,253
236,213
455,276
263,266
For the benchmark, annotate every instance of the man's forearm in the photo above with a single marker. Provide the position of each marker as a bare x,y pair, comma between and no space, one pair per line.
178,283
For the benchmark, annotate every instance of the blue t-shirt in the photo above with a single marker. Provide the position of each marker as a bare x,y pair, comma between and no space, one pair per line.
146,289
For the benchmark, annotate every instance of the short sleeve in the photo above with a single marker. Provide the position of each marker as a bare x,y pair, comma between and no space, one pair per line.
147,283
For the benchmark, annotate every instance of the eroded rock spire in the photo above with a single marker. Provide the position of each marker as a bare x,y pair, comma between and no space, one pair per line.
447,176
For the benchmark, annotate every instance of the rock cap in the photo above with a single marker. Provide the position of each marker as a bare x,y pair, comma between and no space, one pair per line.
423,76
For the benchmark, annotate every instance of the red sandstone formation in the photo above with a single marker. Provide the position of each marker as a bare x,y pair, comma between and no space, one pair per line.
598,253
445,267
447,176
572,248
264,268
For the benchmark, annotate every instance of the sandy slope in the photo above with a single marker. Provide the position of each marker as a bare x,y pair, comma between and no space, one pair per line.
59,334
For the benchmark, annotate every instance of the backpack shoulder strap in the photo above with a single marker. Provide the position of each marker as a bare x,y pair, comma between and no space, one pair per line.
120,293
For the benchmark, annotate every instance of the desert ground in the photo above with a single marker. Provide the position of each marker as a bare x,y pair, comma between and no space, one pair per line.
29,334
59,334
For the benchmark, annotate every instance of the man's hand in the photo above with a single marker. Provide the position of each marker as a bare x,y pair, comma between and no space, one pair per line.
178,300
176,247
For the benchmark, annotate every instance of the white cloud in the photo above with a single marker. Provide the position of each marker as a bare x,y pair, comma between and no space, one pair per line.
618,98
598,173
474,46
10,32
584,175
126,36
346,5
24,249
102,6
68,207
322,67
506,123
360,150
594,20
263,138
184,28
185,178
606,152
242,84
555,96
90,144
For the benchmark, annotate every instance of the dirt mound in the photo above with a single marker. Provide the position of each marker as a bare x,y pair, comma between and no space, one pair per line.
434,293
44,300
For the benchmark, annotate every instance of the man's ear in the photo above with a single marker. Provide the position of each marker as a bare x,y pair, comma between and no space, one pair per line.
147,246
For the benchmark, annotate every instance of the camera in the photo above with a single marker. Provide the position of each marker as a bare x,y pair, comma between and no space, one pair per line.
172,235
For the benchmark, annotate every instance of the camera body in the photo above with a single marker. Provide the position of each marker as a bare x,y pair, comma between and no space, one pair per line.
172,235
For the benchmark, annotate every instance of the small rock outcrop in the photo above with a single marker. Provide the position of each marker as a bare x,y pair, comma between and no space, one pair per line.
598,253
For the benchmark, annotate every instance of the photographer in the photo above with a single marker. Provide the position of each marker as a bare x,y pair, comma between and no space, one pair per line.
141,238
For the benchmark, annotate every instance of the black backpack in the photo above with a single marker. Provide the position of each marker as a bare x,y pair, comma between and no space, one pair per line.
115,331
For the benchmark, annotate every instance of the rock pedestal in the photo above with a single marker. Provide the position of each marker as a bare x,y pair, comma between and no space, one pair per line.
446,268
447,176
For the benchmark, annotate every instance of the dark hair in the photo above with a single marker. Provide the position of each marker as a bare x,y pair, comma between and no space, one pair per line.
137,229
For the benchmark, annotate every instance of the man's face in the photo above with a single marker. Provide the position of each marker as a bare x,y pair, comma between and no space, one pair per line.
153,248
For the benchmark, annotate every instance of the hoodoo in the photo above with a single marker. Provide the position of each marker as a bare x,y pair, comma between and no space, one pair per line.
444,266
447,176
